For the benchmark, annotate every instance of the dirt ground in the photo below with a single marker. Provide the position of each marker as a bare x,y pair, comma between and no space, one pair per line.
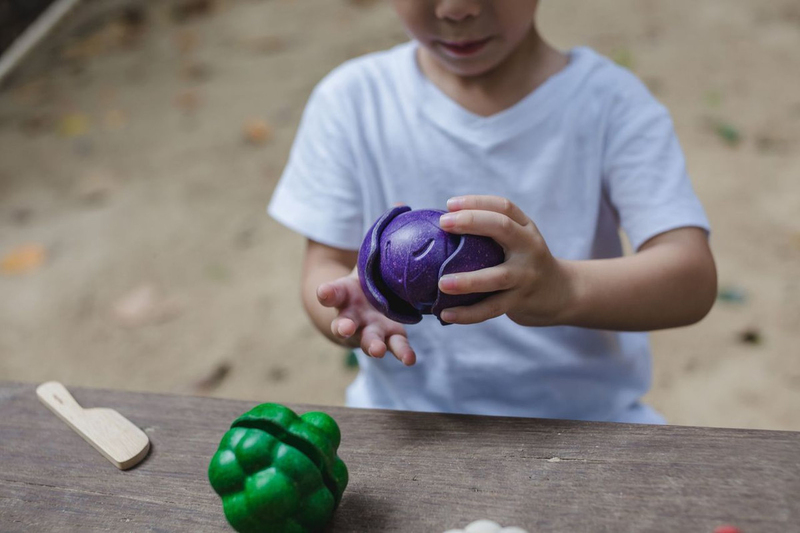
140,144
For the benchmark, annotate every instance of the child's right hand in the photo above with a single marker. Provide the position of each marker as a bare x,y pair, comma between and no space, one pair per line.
360,324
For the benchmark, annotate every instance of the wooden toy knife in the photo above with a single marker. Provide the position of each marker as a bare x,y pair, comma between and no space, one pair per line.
113,435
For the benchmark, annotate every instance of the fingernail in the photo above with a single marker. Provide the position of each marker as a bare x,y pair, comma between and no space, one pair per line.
447,221
448,316
454,203
448,282
373,349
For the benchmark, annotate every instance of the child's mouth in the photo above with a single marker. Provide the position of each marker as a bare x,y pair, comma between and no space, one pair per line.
463,48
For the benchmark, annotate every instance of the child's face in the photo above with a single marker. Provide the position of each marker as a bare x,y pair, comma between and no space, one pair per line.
468,37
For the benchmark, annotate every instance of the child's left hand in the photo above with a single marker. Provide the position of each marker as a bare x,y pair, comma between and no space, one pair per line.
536,289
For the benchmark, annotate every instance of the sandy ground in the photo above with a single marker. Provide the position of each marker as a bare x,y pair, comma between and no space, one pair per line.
125,163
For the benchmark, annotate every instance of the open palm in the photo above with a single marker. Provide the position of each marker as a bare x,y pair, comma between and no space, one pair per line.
360,324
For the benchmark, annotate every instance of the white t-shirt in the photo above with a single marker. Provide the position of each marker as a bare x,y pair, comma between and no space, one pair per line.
588,151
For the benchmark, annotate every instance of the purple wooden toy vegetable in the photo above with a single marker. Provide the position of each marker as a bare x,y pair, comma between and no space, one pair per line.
406,252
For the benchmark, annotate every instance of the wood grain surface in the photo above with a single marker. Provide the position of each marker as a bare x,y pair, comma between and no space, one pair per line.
409,472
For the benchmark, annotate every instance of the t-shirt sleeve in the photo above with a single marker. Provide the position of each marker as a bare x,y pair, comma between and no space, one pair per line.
318,194
645,169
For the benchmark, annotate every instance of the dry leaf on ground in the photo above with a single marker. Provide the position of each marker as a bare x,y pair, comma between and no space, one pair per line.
74,125
23,259
257,131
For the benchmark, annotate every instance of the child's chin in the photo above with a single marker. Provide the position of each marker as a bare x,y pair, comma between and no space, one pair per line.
467,69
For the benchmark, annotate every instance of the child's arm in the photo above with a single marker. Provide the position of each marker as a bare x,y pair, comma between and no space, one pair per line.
333,298
671,281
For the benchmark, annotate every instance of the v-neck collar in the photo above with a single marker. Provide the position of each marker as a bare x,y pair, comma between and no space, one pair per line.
498,127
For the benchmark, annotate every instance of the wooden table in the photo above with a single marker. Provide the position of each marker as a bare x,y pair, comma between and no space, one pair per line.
409,472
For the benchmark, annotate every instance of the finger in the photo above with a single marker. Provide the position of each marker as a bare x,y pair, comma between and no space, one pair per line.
372,342
497,204
493,279
491,307
332,294
487,223
401,349
343,327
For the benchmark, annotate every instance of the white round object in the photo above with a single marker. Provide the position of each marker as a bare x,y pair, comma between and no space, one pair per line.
483,526
486,526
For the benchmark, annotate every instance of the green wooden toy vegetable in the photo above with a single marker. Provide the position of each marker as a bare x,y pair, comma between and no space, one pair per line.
278,472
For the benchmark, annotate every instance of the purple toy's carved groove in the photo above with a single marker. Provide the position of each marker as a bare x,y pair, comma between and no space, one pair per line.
405,253
473,253
372,284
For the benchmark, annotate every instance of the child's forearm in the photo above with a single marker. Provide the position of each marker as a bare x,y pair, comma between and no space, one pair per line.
664,285
323,264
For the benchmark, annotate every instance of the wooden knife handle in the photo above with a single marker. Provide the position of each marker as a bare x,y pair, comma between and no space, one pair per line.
58,399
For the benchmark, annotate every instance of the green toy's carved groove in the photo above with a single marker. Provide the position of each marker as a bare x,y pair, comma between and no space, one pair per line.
278,472
316,457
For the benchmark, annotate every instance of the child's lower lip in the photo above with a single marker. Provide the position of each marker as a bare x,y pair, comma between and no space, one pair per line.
463,49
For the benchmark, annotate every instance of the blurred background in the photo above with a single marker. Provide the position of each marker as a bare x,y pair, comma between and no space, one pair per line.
140,142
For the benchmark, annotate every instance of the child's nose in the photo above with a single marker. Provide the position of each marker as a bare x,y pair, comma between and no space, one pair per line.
457,10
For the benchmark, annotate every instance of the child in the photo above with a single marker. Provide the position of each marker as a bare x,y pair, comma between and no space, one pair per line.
477,112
